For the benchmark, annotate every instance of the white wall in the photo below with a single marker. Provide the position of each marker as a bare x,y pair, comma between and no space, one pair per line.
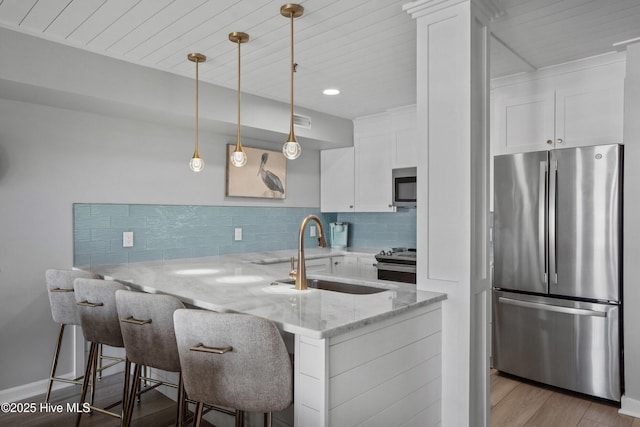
631,233
119,151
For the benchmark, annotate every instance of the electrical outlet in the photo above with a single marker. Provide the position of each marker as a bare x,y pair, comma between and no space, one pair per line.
312,231
238,233
127,239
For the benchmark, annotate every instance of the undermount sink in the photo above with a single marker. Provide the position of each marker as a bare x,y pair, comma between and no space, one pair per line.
330,285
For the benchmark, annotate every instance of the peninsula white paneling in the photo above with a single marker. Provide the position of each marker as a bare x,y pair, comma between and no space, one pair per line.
389,370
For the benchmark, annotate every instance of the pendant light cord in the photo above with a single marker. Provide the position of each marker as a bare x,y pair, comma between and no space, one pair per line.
292,70
238,148
197,153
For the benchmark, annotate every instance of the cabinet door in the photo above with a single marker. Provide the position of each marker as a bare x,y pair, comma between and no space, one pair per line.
406,148
367,266
344,266
319,265
589,115
405,144
337,180
525,123
373,173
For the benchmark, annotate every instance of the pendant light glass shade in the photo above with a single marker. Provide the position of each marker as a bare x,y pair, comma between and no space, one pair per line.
196,163
238,157
291,148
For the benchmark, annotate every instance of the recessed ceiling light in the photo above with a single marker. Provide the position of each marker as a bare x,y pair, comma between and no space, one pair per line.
331,91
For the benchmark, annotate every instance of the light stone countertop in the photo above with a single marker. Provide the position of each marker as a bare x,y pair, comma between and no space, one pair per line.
242,283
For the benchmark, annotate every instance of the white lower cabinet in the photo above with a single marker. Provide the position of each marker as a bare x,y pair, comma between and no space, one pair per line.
360,266
318,265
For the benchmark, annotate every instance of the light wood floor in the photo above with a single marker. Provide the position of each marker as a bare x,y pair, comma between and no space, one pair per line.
515,404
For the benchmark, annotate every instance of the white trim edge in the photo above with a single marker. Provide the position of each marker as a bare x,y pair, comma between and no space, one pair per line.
36,388
629,406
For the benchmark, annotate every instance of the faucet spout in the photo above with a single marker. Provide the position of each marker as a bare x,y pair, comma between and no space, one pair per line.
300,273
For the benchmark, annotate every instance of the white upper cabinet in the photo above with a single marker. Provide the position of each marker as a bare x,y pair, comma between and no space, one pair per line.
358,178
572,105
337,180
524,123
405,137
373,140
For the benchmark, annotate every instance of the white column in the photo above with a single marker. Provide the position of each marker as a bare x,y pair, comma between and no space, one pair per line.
453,193
630,404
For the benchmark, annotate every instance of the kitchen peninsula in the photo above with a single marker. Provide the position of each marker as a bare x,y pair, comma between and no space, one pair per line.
357,357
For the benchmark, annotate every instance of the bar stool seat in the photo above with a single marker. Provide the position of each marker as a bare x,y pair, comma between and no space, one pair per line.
234,360
96,300
64,311
146,322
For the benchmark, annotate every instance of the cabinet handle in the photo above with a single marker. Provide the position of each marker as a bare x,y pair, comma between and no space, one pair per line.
350,206
559,140
549,141
390,206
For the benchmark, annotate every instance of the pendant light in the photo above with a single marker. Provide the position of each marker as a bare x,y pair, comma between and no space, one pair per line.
238,157
291,148
196,164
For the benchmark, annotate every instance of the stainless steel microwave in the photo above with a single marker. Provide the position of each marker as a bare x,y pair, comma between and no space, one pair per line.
404,187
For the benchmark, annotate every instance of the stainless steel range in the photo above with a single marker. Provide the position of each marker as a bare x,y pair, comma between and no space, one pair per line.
397,264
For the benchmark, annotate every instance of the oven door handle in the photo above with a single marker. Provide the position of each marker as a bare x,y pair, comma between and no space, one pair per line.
402,268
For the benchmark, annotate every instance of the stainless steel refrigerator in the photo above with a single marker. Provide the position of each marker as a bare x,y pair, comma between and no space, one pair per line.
557,284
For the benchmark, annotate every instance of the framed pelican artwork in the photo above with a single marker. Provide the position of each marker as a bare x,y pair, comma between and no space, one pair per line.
264,175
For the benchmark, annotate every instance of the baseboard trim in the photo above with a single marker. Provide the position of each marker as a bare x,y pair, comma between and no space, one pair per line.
30,390
629,406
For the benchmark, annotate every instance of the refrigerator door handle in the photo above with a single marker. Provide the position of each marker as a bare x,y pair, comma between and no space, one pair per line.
553,194
554,308
542,219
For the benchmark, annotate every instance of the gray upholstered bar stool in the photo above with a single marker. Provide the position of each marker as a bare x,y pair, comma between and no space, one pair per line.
234,360
146,322
96,300
64,311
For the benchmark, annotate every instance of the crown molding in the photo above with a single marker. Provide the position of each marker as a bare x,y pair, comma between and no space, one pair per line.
491,9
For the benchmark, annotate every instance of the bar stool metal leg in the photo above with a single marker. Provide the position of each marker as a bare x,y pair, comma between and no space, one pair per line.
132,394
181,402
87,376
239,418
54,366
198,419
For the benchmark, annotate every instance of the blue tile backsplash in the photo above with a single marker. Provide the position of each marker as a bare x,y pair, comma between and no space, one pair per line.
381,230
163,232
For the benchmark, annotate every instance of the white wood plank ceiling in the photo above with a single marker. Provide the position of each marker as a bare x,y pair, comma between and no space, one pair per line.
365,48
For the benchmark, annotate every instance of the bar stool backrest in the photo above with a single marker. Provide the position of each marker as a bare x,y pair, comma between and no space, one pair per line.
146,322
252,374
61,295
96,300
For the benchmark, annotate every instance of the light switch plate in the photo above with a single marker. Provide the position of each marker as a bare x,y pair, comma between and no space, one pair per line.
238,233
127,239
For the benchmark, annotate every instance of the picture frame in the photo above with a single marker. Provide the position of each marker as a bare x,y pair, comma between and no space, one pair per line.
263,176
